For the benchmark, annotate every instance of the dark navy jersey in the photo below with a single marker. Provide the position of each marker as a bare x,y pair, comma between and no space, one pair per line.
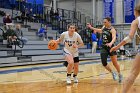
106,35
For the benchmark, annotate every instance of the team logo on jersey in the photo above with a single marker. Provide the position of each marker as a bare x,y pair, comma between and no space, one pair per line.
69,42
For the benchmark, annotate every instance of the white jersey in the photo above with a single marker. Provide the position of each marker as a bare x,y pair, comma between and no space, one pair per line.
69,41
138,32
139,22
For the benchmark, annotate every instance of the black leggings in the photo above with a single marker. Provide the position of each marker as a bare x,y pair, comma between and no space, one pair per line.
105,51
104,58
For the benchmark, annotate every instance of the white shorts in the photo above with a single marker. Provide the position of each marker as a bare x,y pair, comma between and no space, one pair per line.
67,52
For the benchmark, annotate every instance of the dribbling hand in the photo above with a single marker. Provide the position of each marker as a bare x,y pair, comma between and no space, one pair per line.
75,46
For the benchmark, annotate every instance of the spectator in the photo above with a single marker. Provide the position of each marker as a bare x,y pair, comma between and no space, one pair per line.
19,34
56,15
4,32
31,17
42,32
17,15
26,12
7,19
100,43
10,34
94,42
52,14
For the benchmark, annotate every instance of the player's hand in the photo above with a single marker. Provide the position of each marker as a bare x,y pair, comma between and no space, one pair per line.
109,44
89,25
75,46
66,44
57,41
114,49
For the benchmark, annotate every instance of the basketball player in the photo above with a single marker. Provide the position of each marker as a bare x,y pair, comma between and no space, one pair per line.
65,63
72,41
136,65
108,39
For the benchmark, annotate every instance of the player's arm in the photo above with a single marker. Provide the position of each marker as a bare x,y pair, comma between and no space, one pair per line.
94,29
59,40
134,27
80,41
113,31
131,33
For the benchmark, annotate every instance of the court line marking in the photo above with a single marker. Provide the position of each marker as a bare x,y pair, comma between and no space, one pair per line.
56,79
33,68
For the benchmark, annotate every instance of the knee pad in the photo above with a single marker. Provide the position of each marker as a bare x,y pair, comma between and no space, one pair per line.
65,63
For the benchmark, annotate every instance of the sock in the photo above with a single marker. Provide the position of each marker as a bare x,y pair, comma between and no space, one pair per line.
74,75
68,74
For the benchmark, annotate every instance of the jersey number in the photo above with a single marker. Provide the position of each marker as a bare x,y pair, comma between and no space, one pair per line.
104,36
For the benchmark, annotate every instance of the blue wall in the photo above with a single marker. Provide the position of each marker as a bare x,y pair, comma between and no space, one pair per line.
109,9
36,5
129,10
37,1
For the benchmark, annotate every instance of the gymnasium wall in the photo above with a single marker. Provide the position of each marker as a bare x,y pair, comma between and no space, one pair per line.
82,6
87,7
119,17
66,5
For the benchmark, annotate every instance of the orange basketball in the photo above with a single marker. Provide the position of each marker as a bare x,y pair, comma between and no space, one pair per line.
52,45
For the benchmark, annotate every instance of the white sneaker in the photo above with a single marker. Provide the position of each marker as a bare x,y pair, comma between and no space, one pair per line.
75,79
120,78
68,80
114,75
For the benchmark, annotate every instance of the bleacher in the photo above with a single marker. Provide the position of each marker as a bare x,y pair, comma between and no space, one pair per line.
36,50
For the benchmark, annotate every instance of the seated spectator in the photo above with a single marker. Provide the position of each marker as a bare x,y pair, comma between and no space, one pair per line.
17,15
42,32
7,19
4,28
19,34
10,34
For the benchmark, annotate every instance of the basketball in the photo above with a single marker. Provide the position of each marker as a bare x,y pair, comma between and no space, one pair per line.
52,45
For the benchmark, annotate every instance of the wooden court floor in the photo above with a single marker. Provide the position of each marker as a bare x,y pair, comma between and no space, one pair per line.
50,78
